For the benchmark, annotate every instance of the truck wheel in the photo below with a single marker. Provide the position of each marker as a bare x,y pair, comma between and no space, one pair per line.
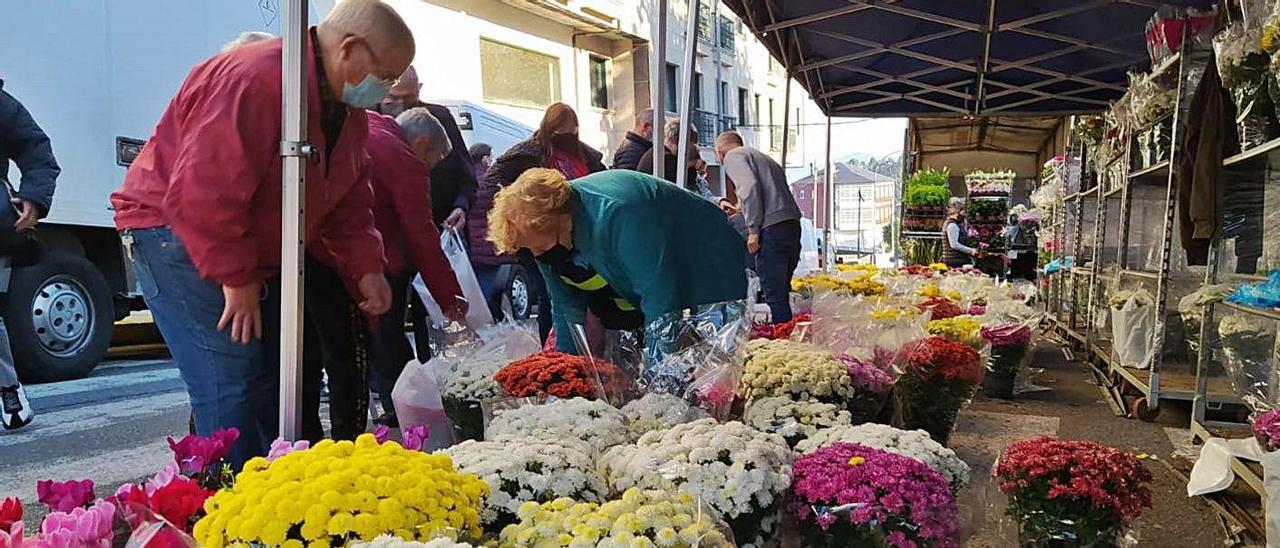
58,315
520,295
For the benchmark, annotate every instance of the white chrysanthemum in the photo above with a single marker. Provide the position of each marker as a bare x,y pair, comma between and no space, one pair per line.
597,423
915,444
472,379
734,469
797,370
390,541
793,420
658,411
519,470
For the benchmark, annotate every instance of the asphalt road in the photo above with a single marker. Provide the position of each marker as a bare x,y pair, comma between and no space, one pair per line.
110,427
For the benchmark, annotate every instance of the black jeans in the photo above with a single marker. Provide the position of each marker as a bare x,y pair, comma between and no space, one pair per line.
775,262
335,342
389,347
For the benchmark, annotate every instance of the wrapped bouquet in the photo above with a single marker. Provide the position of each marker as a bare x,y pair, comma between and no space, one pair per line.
800,371
736,470
352,491
557,374
1009,345
848,494
1266,428
1077,490
1243,68
1248,346
871,384
961,329
593,422
520,470
794,420
637,518
939,378
909,443
940,308
657,411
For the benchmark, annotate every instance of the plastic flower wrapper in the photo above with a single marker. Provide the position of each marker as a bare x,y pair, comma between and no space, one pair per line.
1243,67
1191,309
659,412
796,370
1076,493
391,541
471,379
698,356
341,492
848,494
1133,319
148,527
523,469
961,329
909,443
636,518
794,420
593,422
872,384
739,472
1010,348
1248,350
617,357
939,378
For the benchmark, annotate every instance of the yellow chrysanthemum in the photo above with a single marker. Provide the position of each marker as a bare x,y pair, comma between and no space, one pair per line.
644,519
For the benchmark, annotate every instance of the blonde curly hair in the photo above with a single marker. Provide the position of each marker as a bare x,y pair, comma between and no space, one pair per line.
530,205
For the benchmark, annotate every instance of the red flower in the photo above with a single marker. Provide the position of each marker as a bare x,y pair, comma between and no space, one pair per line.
179,501
65,496
942,308
941,359
1080,472
10,512
195,454
557,374
779,331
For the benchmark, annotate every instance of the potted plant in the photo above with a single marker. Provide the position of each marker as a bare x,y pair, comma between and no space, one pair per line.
939,378
1009,344
1071,493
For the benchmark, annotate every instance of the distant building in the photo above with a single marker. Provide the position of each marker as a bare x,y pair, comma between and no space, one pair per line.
864,204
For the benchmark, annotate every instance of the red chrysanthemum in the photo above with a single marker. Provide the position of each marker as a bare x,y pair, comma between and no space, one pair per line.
557,374
1076,474
941,307
937,358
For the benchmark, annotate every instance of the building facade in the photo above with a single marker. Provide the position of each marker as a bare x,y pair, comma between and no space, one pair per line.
517,56
863,206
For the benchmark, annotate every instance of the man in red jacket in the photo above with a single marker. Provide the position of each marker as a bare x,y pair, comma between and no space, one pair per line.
402,151
200,209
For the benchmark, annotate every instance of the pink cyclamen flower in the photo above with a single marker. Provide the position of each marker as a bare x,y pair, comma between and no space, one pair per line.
281,447
11,537
63,496
415,437
163,477
195,454
80,528
381,433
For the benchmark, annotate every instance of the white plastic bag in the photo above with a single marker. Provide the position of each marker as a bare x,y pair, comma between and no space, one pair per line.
1132,324
478,314
416,396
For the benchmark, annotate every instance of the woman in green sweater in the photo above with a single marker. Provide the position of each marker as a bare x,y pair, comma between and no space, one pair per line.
621,244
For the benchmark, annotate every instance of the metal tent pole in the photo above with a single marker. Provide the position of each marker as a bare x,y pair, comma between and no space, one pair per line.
689,58
657,75
295,150
786,121
828,250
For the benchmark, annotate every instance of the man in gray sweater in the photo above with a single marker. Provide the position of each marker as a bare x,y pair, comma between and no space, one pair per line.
772,216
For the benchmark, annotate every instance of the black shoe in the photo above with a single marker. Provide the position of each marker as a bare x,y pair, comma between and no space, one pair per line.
387,419
15,410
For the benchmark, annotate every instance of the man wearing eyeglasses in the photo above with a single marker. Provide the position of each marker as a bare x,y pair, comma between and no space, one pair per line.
200,208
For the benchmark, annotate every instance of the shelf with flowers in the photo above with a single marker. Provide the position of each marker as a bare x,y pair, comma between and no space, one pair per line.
989,183
1072,493
925,200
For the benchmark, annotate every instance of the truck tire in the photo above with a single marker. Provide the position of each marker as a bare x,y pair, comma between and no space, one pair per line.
59,317
520,294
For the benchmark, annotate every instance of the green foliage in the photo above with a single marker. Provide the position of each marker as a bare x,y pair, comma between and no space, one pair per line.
928,177
927,196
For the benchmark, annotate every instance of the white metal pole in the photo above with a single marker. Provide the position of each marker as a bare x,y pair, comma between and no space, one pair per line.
786,121
657,76
295,151
689,59
829,248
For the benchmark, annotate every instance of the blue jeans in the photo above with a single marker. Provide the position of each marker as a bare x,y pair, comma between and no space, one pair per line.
775,262
230,384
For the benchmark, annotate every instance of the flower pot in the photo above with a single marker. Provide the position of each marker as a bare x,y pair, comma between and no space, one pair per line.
999,385
1029,537
929,406
467,418
866,406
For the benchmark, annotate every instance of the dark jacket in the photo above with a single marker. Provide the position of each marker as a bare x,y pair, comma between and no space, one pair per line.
453,180
23,142
669,169
630,150
522,156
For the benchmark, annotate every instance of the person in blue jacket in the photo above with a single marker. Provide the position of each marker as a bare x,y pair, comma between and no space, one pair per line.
626,246
26,145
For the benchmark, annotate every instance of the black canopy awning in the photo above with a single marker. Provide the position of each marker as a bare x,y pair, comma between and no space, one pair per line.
956,57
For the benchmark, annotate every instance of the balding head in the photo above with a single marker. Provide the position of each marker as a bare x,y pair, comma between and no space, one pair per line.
726,142
404,95
426,135
366,46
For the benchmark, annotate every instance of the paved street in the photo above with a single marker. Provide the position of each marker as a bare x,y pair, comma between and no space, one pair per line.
110,427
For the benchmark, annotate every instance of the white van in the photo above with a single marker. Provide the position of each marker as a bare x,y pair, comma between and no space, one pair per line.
481,125
96,76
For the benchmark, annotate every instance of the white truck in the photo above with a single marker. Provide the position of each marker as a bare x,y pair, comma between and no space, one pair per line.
96,76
